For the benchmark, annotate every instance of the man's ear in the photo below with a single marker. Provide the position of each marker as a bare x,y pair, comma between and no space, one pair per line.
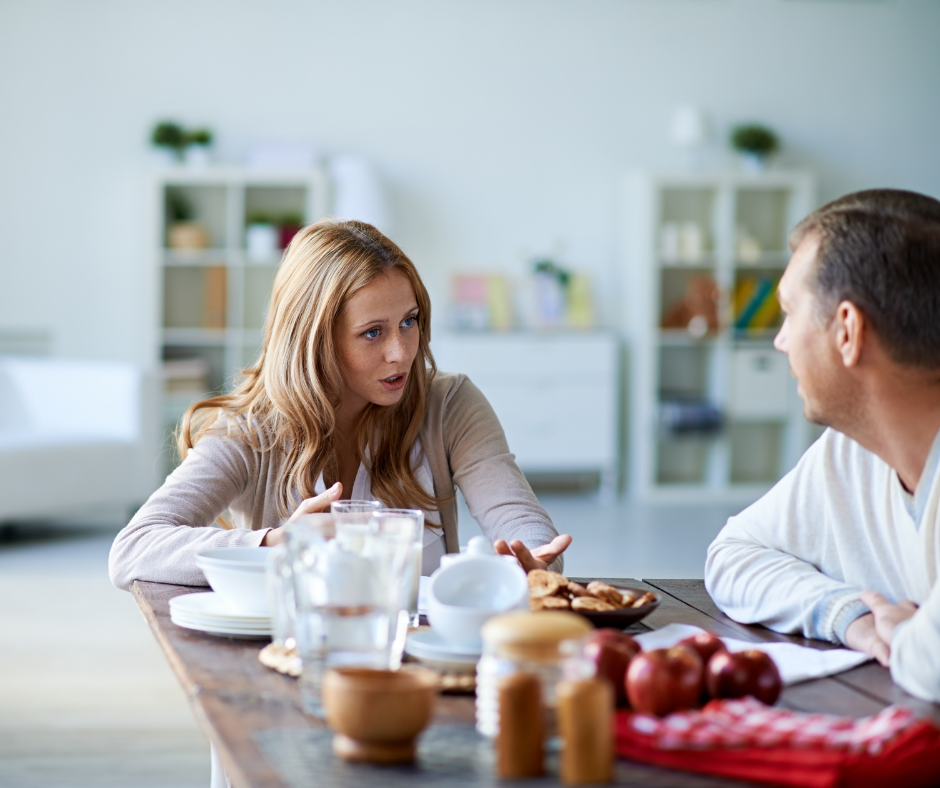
850,326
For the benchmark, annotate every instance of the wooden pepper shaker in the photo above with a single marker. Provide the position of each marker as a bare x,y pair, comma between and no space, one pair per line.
519,742
586,727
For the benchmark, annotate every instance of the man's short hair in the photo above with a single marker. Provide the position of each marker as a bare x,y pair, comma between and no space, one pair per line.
880,249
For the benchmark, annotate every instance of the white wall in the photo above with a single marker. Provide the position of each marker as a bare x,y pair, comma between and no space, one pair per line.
502,126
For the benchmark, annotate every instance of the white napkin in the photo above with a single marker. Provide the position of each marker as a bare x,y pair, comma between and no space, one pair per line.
795,663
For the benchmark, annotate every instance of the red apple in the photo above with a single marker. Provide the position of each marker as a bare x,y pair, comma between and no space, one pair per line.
705,644
742,673
664,680
611,651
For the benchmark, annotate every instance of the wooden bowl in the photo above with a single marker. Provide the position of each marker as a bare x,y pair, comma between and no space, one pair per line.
377,714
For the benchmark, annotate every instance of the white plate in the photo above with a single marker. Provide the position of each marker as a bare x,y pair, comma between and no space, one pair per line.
210,604
425,643
229,631
214,623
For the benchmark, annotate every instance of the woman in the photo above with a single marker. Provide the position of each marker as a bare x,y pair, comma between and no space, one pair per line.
344,401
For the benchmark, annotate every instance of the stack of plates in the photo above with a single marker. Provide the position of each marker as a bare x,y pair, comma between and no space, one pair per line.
208,612
426,645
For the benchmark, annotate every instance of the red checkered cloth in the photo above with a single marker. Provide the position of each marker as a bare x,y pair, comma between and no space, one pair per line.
748,740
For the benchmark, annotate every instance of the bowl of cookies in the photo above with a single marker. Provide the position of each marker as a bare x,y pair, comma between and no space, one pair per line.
604,605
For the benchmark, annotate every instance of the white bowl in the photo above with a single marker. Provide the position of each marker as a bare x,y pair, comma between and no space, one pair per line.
465,594
237,574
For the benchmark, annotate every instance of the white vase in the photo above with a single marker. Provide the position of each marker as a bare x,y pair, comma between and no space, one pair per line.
261,241
196,155
753,163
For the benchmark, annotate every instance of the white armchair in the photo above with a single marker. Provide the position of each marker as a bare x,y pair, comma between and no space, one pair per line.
73,434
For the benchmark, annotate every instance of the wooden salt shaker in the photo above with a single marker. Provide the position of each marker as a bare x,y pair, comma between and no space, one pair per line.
519,742
586,727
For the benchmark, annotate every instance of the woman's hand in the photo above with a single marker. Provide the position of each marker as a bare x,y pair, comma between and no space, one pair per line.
537,557
315,505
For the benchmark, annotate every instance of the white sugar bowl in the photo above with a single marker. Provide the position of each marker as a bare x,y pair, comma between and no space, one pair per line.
465,593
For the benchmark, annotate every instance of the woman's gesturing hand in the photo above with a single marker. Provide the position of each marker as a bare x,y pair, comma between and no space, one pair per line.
537,557
315,505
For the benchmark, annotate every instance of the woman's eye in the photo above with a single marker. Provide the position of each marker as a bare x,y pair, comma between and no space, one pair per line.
408,322
372,333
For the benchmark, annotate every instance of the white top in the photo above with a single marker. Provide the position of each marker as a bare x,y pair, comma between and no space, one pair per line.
433,543
837,524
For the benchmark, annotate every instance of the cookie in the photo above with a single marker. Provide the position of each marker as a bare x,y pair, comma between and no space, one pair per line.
606,592
576,589
648,597
543,583
628,598
593,604
549,603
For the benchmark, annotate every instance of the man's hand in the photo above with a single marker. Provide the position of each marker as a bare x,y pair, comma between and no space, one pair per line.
315,505
862,636
537,557
887,616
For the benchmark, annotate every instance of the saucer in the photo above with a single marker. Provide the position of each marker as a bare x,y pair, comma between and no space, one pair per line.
426,644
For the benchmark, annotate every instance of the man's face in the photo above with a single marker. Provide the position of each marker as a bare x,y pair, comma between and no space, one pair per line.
807,339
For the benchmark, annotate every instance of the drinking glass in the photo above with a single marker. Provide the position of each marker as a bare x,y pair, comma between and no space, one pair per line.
281,564
406,522
342,615
397,539
353,521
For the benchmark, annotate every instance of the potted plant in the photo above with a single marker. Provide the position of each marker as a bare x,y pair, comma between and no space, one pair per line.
755,143
169,139
197,146
182,232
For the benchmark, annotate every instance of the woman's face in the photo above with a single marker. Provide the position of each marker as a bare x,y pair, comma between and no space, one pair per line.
377,341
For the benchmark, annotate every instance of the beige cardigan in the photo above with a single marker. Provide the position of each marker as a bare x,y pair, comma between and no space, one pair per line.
461,437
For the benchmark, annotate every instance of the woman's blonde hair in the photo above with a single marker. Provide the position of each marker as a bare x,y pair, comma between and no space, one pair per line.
286,401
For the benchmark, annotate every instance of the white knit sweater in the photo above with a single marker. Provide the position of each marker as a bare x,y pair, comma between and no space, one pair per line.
837,524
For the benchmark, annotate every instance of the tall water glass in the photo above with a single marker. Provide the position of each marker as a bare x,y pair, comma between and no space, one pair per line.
342,616
281,564
407,522
353,521
398,539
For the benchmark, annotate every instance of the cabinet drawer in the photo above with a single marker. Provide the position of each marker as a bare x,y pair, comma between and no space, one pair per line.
563,427
511,354
760,384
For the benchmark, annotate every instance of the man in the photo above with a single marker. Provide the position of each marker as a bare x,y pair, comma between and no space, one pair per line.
846,547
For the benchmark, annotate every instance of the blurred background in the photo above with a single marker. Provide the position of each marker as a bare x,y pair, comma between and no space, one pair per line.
597,195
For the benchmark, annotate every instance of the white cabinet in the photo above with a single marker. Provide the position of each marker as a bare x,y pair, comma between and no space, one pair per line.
714,411
210,287
555,395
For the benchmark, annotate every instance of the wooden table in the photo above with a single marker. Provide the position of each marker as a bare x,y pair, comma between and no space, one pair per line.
253,716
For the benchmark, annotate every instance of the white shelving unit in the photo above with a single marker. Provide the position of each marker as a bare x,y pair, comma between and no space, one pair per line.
555,393
742,222
209,304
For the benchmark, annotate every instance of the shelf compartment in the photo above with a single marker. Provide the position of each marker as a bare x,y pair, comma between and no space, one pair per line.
683,461
195,297
756,450
206,206
764,213
685,372
258,283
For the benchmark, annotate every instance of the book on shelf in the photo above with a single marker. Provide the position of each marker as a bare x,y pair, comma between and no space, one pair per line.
214,300
754,304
